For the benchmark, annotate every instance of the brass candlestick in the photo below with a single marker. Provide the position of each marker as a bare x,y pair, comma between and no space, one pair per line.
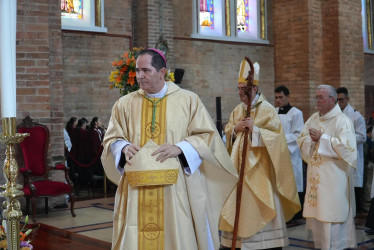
11,207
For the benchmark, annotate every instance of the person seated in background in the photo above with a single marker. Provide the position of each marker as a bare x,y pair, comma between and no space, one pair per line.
96,139
83,153
70,125
82,140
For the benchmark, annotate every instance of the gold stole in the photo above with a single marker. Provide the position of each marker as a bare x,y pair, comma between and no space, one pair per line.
151,198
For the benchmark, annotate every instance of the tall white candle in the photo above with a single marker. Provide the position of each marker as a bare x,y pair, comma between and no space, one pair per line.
8,20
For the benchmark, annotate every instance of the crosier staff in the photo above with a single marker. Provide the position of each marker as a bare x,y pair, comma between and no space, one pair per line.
239,190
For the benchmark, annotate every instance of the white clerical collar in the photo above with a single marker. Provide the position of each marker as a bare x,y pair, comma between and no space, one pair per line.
255,100
333,112
161,93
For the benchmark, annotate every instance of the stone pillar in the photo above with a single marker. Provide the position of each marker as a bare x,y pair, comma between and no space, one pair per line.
318,42
151,19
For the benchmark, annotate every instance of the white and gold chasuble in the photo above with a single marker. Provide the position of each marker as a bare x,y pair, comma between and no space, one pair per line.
177,215
151,198
268,170
329,191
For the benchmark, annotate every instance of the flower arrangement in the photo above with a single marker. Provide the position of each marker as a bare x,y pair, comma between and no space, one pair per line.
24,244
123,76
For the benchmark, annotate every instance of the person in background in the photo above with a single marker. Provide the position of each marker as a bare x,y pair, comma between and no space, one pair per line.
269,194
369,160
360,133
328,144
82,141
83,154
68,132
96,139
293,122
70,126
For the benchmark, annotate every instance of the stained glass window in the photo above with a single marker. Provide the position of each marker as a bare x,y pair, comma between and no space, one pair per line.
246,18
210,17
242,15
83,15
72,9
207,14
233,20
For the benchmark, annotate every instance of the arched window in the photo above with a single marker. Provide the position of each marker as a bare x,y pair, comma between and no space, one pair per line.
86,15
238,20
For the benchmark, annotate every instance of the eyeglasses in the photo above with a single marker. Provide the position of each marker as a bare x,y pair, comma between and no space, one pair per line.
322,97
242,88
341,99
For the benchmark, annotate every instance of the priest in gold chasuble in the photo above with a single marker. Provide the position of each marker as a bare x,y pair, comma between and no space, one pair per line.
171,166
269,196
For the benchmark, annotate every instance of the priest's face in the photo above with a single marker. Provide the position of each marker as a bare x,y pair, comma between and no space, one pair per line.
281,100
325,102
241,91
342,100
150,80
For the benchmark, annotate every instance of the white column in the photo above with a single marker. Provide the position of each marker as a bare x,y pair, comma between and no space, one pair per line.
8,26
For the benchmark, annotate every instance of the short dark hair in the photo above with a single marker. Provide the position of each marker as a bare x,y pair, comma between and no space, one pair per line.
283,89
369,130
70,123
92,123
342,90
157,61
81,122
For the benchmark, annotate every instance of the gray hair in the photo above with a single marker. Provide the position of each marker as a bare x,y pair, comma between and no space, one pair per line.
331,90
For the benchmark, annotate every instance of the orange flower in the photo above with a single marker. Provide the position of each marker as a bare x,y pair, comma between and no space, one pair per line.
23,236
131,81
114,63
119,63
128,61
126,54
123,70
118,78
132,74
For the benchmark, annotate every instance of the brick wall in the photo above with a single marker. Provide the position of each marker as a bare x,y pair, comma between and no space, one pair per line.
39,67
87,62
318,42
55,79
291,50
151,19
33,54
351,52
211,67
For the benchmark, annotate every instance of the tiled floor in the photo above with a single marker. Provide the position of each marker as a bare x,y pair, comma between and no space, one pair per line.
94,219
299,240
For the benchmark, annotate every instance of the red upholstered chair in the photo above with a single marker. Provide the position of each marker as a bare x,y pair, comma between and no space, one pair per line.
34,168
